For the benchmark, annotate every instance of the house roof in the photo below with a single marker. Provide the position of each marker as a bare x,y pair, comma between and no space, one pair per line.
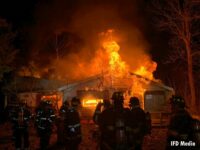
80,82
99,77
24,84
153,82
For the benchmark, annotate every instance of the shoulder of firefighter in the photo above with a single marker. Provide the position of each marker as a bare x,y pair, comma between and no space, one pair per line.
44,118
63,109
21,117
180,127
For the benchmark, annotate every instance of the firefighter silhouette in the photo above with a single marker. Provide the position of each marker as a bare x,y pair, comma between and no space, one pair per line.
114,124
180,126
196,132
72,126
44,121
75,103
60,123
101,106
140,124
20,120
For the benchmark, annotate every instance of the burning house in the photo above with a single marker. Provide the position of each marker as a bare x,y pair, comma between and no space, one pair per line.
32,90
154,97
105,74
109,73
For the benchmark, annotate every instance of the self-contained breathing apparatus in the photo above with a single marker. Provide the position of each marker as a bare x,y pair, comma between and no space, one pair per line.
113,124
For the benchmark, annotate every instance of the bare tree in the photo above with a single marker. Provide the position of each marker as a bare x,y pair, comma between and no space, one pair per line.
182,19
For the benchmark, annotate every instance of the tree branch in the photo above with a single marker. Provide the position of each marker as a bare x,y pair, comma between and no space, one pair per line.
195,53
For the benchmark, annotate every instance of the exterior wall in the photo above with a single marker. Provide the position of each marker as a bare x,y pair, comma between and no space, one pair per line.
71,91
157,103
154,101
153,88
29,98
156,98
33,99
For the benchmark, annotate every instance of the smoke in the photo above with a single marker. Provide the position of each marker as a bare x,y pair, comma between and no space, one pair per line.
74,28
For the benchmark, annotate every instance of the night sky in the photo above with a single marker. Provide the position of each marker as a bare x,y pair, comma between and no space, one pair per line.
34,20
19,13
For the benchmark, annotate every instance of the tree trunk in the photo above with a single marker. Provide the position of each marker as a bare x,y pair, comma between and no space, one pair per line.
187,41
191,78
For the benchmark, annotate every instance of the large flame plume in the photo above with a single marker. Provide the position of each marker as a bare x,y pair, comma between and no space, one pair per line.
141,76
117,67
107,60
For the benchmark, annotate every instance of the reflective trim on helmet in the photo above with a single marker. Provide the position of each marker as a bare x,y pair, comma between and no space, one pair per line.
74,126
41,127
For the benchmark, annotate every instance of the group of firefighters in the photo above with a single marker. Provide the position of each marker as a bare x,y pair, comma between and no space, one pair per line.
120,128
45,119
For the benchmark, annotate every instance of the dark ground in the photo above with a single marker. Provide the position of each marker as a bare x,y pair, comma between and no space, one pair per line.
155,141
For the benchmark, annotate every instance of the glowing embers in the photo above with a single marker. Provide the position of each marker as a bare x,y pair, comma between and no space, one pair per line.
54,99
91,102
50,97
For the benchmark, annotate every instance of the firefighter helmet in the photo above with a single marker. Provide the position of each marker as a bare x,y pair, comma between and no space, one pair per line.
134,101
66,103
177,100
118,97
75,101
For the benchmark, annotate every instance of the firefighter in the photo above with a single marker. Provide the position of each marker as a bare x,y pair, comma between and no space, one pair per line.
20,121
75,103
138,123
60,123
100,108
179,128
196,132
63,109
114,124
44,121
72,126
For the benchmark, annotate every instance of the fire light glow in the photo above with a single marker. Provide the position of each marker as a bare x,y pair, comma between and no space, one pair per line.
119,68
116,65
91,102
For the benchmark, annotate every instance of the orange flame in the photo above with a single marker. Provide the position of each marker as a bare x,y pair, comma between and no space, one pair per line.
91,102
119,68
107,60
